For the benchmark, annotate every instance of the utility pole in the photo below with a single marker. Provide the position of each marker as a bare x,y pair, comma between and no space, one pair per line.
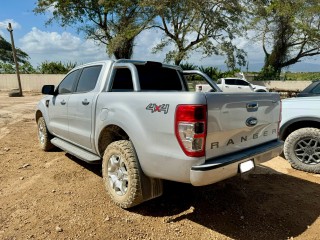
15,58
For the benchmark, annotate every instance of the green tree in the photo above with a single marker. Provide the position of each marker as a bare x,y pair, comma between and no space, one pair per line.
55,67
114,23
7,68
188,66
27,68
289,30
6,55
205,25
213,72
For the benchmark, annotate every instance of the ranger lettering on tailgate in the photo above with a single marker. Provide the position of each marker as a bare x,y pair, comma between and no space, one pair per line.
242,139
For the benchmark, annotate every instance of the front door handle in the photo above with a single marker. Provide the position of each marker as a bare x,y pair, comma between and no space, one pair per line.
63,102
85,102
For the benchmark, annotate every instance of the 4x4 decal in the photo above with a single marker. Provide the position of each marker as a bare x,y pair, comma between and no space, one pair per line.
158,108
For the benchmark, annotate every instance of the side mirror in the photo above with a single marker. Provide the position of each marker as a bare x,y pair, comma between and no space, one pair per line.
48,89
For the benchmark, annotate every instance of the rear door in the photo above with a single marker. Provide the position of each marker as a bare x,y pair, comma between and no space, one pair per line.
81,106
240,120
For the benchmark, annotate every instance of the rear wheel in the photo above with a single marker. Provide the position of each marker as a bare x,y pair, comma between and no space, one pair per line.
302,149
122,175
44,135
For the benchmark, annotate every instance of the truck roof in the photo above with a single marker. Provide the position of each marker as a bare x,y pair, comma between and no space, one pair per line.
128,61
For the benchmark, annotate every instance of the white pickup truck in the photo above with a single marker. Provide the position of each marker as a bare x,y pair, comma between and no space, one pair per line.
300,129
140,119
232,85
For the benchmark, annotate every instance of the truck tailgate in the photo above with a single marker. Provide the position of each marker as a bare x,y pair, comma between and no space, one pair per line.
238,121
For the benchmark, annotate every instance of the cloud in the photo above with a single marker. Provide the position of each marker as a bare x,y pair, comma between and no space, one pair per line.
67,47
53,46
4,25
14,24
150,38
144,44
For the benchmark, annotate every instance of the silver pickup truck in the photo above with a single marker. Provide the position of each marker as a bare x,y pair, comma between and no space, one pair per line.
140,119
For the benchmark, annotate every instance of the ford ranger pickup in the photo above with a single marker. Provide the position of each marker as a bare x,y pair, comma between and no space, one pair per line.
139,119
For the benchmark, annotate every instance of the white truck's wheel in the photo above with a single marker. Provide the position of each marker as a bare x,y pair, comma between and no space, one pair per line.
121,174
44,135
302,149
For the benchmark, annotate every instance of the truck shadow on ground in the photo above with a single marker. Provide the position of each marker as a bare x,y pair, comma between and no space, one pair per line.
263,206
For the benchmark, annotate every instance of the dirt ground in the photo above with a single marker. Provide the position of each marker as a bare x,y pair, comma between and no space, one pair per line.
56,196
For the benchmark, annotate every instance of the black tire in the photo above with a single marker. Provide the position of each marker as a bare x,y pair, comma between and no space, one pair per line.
122,175
44,136
302,149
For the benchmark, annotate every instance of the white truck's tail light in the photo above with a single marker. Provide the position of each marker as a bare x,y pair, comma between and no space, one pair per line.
191,129
280,118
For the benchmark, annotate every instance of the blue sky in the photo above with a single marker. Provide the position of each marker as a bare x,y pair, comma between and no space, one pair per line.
54,43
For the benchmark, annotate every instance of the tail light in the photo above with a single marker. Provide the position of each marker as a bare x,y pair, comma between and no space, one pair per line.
280,118
191,129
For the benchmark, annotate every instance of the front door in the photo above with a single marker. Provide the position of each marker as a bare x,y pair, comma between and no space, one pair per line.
58,106
81,107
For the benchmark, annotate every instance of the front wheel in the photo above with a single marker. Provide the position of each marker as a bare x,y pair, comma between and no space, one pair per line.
122,174
302,149
44,135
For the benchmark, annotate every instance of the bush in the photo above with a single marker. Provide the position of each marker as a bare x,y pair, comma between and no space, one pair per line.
55,67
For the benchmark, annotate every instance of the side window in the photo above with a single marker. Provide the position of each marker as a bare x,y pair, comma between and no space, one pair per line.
122,81
230,82
219,81
67,83
316,89
241,83
88,78
154,78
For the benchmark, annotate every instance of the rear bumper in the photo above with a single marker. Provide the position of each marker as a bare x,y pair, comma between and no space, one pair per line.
218,169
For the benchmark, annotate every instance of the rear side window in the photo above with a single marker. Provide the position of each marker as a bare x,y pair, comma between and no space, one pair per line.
122,81
88,78
241,83
67,83
159,78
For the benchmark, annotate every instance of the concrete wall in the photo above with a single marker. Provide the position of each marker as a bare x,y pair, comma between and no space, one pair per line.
34,82
284,85
29,82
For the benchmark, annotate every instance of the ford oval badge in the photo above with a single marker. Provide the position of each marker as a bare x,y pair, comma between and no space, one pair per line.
252,121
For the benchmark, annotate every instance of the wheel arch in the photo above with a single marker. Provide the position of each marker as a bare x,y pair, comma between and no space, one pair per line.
298,123
38,115
110,134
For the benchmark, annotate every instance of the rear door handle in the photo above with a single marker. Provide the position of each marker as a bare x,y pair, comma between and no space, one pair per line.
63,102
85,102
